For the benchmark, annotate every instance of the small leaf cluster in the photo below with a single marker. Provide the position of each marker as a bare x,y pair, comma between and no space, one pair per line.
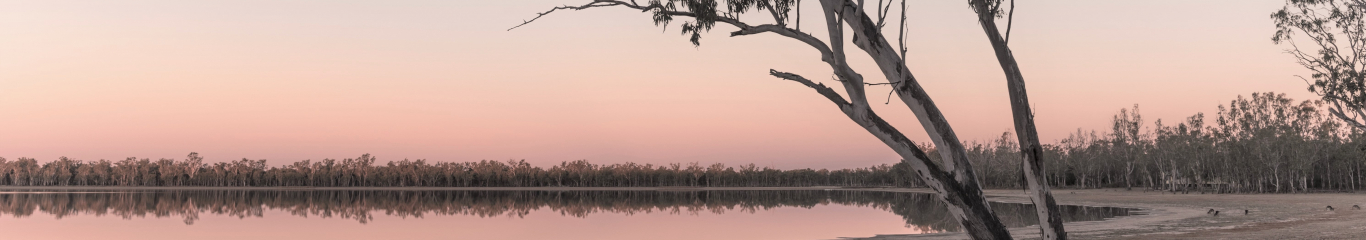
706,13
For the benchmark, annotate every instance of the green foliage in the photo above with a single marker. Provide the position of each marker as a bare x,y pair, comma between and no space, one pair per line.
706,13
363,172
1265,143
1262,143
1335,51
992,7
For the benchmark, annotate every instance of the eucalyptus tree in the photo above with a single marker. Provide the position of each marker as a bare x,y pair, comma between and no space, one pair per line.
1031,150
954,178
1127,135
1166,142
193,164
1336,52
1178,152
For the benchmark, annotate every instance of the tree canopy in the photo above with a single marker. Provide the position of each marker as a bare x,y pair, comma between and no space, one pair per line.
1328,37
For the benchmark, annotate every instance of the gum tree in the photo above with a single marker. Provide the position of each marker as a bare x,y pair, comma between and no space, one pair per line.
1328,37
953,178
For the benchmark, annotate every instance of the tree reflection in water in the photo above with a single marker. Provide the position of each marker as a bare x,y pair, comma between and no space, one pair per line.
921,211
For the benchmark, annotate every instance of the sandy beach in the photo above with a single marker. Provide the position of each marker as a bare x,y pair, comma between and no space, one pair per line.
1184,216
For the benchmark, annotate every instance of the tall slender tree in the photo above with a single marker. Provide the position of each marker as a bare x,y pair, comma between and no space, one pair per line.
1031,150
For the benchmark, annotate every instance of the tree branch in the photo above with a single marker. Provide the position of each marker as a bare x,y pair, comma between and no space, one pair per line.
820,88
909,90
953,178
745,29
1031,150
568,7
1010,20
786,32
1349,120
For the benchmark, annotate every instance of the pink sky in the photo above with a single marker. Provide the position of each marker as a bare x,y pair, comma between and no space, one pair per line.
443,80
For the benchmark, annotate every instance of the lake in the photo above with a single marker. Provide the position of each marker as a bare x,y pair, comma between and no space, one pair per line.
487,214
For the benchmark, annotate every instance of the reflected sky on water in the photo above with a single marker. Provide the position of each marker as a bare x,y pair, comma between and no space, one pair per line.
381,214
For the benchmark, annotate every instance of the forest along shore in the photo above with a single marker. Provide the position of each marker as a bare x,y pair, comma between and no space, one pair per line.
1185,216
1246,149
1168,216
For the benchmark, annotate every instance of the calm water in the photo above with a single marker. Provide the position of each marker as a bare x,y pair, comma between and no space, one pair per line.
356,214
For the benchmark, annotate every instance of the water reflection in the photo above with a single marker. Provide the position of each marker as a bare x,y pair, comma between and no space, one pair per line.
920,211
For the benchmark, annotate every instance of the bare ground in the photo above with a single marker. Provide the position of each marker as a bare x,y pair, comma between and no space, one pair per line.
1183,216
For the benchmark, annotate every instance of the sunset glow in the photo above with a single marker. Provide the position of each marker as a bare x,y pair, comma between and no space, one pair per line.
445,81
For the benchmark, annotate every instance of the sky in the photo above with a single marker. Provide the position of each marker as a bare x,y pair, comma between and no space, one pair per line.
288,80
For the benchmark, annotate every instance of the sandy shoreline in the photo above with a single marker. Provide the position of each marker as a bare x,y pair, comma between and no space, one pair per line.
1183,216
1168,216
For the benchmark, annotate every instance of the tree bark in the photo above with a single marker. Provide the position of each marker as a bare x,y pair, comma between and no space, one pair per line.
967,206
956,182
1050,220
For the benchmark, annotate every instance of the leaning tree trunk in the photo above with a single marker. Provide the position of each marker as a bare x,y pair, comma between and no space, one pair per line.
1050,220
956,182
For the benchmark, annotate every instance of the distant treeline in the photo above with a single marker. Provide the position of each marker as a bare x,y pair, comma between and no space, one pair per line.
363,172
919,210
1263,144
1266,143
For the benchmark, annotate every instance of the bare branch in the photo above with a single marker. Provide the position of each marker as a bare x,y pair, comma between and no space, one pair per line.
882,13
820,88
568,7
777,17
902,34
1010,20
786,32
1350,120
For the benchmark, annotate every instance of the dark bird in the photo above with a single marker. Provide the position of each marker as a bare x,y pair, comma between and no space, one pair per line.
1330,208
1356,207
1244,211
1216,213
1211,210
